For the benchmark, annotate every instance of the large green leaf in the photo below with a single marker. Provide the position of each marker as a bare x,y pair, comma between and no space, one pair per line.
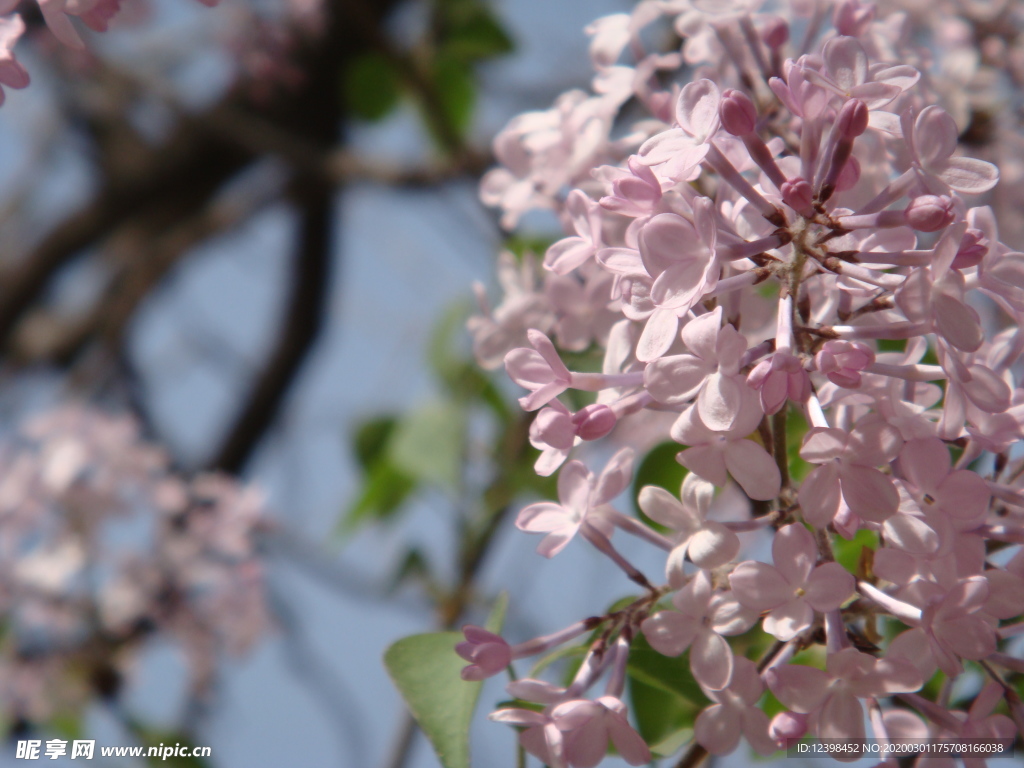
668,673
662,718
425,669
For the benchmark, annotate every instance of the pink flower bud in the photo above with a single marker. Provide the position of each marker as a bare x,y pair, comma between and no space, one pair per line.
798,195
852,119
842,361
929,213
488,653
787,726
775,33
852,17
553,427
973,248
849,176
737,112
778,378
594,421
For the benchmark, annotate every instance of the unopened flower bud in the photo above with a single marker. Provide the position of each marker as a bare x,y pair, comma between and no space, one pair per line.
738,113
852,17
798,195
929,213
553,427
779,378
594,421
852,119
973,248
488,653
775,33
842,361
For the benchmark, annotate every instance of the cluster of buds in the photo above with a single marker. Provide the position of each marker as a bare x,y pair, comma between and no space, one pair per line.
789,245
88,581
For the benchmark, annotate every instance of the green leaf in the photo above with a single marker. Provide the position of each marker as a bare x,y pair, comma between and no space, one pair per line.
470,30
372,86
667,673
659,467
384,491
428,443
425,669
477,36
371,440
848,552
664,719
456,90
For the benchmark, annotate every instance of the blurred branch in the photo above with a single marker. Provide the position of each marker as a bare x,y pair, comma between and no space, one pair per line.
303,321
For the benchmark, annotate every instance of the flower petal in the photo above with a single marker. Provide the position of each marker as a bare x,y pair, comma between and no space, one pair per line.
759,586
669,632
829,586
869,493
794,553
755,471
713,545
711,660
789,619
799,687
717,729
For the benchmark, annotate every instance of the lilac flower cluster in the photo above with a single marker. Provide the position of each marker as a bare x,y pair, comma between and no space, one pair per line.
789,232
87,582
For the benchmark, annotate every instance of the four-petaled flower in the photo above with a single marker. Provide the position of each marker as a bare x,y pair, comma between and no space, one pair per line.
795,587
708,543
701,618
582,498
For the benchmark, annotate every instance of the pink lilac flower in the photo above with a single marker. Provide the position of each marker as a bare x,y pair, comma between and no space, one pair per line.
572,252
715,455
795,587
735,713
709,373
832,697
949,625
699,622
707,543
828,192
847,470
582,497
